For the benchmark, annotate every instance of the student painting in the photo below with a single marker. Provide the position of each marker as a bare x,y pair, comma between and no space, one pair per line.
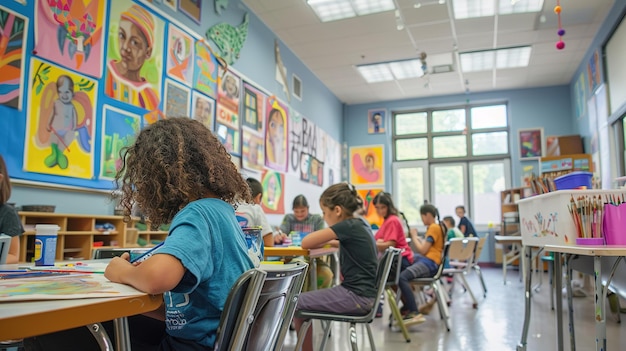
251,215
357,256
300,220
125,80
426,260
10,223
465,225
178,172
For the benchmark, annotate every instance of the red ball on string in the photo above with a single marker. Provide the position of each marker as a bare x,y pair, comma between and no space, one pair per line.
560,45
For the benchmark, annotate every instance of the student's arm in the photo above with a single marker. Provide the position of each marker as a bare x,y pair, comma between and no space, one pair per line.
382,245
318,238
267,232
14,250
387,235
421,245
156,275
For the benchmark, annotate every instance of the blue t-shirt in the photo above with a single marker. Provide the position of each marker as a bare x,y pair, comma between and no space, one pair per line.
208,241
469,227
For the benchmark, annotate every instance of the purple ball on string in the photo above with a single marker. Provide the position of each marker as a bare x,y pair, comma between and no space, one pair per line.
561,32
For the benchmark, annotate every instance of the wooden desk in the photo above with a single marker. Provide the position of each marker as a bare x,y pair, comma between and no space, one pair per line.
30,318
290,251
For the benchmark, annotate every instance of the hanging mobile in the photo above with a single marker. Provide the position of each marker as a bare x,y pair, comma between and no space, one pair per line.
560,45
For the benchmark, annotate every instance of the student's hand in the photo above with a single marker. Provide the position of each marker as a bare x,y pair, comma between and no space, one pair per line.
279,238
116,268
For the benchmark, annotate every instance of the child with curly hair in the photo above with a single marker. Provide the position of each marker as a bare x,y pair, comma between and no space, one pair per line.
178,172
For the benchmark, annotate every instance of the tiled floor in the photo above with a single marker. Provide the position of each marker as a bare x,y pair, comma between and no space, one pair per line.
495,325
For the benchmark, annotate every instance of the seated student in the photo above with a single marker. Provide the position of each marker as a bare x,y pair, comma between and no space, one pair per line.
465,225
10,223
177,171
251,215
391,233
427,260
357,255
300,221
453,232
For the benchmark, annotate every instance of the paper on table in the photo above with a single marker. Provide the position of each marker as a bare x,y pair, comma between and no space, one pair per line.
79,286
95,267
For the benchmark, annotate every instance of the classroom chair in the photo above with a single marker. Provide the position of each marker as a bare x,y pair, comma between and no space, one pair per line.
461,254
476,267
260,307
435,283
393,298
382,273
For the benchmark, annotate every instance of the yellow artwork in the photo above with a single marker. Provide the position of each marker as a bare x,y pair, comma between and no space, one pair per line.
60,122
366,165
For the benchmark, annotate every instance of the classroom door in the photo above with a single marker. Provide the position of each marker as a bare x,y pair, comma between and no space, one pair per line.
410,188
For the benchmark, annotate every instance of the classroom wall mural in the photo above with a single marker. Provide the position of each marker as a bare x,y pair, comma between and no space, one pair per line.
60,122
366,165
119,128
14,33
135,55
93,73
276,117
180,55
70,33
273,201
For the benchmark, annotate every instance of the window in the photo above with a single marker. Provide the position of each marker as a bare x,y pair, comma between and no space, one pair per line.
449,157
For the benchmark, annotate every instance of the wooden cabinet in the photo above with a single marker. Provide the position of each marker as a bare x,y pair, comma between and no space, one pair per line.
509,210
143,238
78,236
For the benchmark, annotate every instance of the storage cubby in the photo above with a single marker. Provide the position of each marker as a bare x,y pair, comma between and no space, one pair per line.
77,234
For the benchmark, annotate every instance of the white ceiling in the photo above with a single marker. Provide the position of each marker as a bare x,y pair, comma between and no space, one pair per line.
332,50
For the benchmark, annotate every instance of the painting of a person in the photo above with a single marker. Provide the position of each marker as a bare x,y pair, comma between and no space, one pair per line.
376,122
203,112
135,41
62,124
230,87
275,138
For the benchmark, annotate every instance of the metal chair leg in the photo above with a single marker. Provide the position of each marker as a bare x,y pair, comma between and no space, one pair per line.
482,280
101,336
371,337
326,334
352,336
395,311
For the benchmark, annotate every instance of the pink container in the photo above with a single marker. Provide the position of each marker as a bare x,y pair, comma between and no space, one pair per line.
590,241
614,224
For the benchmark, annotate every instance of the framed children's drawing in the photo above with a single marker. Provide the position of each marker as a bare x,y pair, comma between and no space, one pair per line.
531,143
376,121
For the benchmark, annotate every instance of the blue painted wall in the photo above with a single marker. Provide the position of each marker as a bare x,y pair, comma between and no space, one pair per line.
257,64
548,107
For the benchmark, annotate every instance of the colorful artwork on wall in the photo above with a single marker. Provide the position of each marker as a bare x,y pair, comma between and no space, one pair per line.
228,92
230,138
60,122
70,33
180,55
253,108
370,211
253,155
203,109
376,121
273,201
191,8
177,98
13,32
134,76
119,129
366,165
531,144
205,70
229,39
276,117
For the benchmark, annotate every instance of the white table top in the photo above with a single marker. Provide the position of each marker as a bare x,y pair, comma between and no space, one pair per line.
588,250
508,238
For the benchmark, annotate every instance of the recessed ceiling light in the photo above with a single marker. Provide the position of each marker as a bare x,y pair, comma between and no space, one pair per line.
388,71
375,73
490,59
482,8
332,10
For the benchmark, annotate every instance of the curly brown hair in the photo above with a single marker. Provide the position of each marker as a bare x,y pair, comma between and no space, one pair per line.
172,163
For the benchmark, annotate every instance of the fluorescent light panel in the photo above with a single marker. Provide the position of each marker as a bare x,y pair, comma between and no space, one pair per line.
490,59
388,71
482,8
332,10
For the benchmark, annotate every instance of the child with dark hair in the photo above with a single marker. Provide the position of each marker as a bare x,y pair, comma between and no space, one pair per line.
300,220
357,256
9,220
391,233
177,171
465,225
453,232
251,215
427,260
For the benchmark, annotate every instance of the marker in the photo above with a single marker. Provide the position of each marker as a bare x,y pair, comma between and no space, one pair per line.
31,275
147,254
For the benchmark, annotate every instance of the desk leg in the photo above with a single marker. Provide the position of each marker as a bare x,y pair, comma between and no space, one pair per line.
313,274
599,305
527,251
570,304
122,336
558,286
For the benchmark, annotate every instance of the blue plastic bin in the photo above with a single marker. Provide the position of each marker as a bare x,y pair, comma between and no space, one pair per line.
574,180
